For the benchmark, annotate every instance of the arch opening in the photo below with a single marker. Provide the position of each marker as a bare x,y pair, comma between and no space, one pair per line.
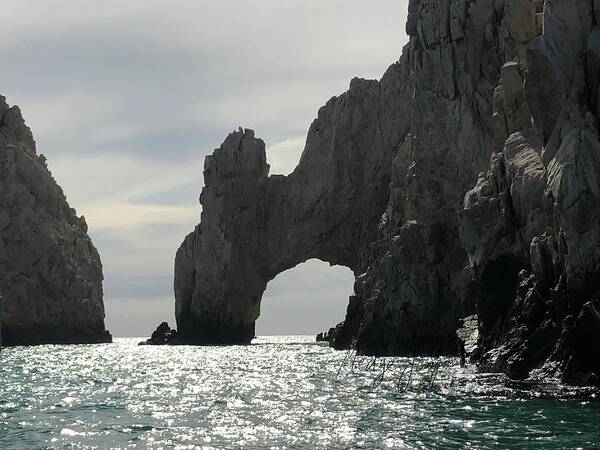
305,300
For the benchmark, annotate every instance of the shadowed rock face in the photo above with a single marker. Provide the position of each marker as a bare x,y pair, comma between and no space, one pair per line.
465,182
50,272
532,221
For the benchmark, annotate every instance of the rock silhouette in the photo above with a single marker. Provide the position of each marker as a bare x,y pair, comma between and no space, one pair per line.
50,272
161,336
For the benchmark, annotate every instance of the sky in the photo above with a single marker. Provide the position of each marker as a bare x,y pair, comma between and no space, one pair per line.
125,98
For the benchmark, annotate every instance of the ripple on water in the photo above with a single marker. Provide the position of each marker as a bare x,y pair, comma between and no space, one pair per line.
285,392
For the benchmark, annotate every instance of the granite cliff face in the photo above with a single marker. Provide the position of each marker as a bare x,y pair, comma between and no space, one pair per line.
531,224
50,272
464,183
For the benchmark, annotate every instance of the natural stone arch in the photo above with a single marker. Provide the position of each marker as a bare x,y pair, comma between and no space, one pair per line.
417,140
254,227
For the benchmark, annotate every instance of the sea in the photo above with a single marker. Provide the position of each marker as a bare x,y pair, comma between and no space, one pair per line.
280,392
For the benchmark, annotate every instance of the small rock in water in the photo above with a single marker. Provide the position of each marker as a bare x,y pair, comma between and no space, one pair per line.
161,336
325,336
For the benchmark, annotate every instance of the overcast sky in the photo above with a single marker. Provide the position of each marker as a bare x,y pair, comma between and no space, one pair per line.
125,98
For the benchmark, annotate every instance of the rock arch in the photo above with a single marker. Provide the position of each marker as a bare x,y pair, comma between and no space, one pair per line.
255,226
378,189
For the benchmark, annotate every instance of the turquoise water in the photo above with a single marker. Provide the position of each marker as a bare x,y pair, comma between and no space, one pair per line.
281,392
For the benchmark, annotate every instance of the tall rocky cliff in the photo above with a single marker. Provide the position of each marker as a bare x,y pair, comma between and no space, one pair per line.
464,183
50,272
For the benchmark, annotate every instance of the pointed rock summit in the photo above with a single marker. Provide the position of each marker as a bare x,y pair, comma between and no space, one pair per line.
50,272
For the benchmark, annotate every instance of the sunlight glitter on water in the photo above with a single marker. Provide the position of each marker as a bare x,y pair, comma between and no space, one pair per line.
280,392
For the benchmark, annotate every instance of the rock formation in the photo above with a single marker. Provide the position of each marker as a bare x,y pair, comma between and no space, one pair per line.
163,335
463,183
50,272
531,224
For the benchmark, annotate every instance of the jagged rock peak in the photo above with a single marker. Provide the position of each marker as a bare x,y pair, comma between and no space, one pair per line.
240,155
13,130
50,272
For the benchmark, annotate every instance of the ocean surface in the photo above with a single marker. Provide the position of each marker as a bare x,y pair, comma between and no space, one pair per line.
281,392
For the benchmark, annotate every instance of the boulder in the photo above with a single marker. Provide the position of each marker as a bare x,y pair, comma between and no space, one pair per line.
161,336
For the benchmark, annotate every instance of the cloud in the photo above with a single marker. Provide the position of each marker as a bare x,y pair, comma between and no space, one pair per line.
126,97
127,215
284,156
121,191
117,73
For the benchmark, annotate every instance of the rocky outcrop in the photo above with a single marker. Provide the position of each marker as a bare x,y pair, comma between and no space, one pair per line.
163,335
531,223
50,272
463,184
410,299
326,336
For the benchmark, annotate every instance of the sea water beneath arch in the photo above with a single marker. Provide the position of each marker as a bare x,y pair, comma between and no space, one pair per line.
280,392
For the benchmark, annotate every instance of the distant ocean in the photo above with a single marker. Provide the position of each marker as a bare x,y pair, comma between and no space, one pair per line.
284,392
